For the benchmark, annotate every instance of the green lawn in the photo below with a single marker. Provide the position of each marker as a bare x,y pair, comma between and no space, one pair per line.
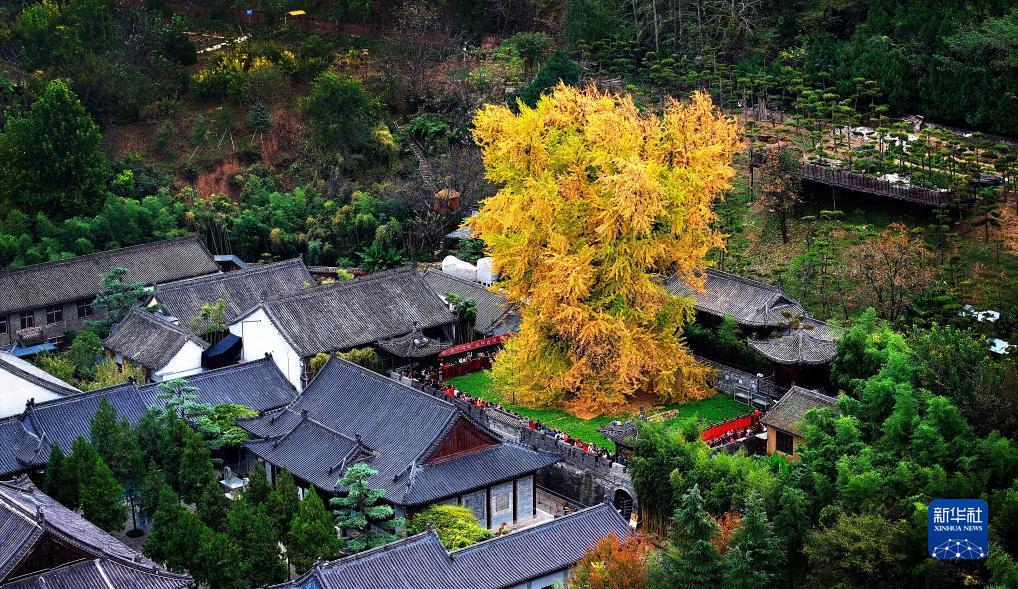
711,410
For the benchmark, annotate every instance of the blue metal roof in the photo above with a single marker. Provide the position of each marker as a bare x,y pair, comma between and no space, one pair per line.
26,351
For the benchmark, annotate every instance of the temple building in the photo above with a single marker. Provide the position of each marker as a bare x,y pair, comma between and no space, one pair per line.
338,317
21,380
777,326
44,545
538,557
41,302
161,348
426,450
784,432
240,290
26,438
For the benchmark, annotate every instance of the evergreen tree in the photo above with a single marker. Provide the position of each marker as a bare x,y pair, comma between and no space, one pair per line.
149,492
213,506
102,497
173,439
359,511
195,467
254,531
104,428
692,562
792,521
258,487
164,523
283,504
50,158
81,459
117,298
57,483
215,562
312,534
259,117
149,433
184,545
756,548
130,467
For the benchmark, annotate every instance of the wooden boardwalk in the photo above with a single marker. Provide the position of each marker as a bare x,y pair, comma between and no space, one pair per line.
875,186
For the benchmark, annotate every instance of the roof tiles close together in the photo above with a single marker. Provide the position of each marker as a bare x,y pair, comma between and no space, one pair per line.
786,413
240,290
26,439
81,277
145,339
421,562
356,312
398,428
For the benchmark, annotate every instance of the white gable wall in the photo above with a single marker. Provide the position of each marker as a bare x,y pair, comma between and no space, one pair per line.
186,362
15,392
261,337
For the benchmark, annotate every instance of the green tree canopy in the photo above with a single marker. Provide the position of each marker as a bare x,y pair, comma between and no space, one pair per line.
456,525
50,159
359,511
312,534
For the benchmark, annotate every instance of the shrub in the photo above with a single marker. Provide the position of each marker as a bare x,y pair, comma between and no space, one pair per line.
456,526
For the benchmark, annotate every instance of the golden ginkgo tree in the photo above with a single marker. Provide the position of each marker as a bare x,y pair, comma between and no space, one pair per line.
598,201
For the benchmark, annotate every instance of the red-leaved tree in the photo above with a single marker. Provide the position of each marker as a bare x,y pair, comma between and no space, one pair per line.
613,564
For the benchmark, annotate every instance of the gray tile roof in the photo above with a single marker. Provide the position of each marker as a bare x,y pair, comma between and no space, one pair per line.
749,302
421,562
311,451
30,372
413,345
789,409
401,427
240,290
813,342
258,385
356,312
25,440
492,307
147,340
81,278
27,514
101,573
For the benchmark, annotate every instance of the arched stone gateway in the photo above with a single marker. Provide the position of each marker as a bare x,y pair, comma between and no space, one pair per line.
623,501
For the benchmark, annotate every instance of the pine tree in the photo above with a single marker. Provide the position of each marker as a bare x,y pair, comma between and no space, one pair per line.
312,534
692,562
105,431
254,531
792,521
171,446
184,545
360,512
259,117
215,561
755,547
258,488
164,523
50,158
283,504
195,467
102,497
213,506
57,483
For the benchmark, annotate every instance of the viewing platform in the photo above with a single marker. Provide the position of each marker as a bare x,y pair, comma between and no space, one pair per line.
875,186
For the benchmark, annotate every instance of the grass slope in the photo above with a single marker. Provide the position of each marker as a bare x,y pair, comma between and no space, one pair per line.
710,410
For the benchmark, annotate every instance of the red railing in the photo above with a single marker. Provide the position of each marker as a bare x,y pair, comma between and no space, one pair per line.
454,369
736,423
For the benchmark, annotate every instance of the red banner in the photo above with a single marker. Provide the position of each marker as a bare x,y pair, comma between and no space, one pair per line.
719,429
